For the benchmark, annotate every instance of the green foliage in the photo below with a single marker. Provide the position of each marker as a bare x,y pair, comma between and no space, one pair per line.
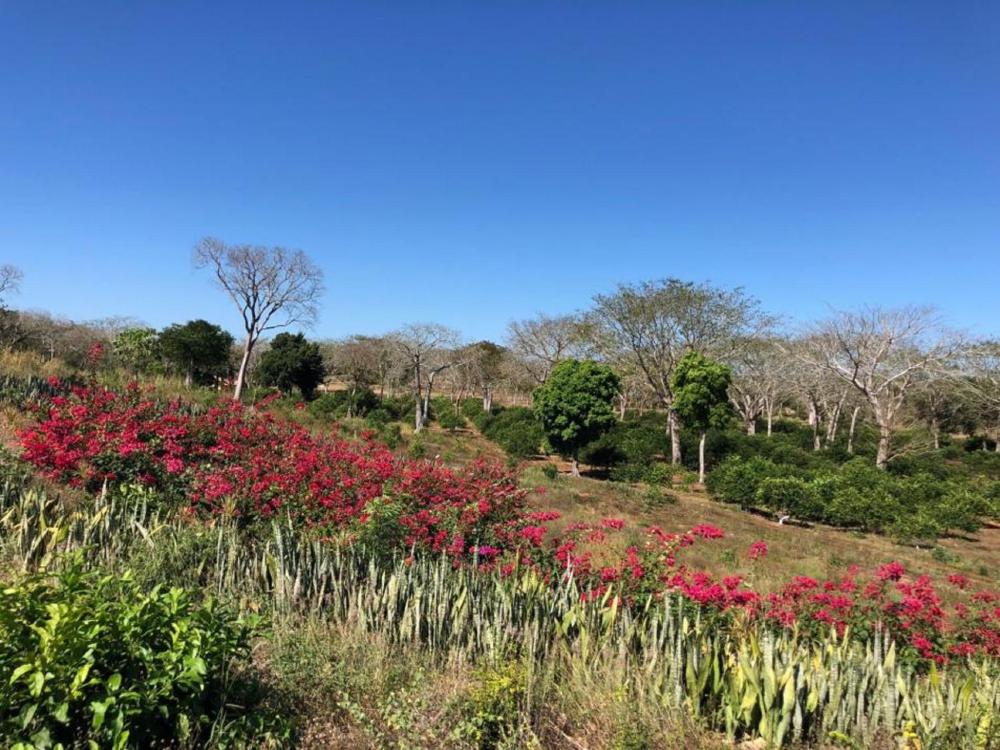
550,471
445,414
789,495
340,404
736,479
700,388
137,349
494,706
89,657
575,404
856,495
516,430
197,349
292,362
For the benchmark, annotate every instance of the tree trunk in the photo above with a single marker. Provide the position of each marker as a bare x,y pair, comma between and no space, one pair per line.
935,433
574,468
488,399
884,439
241,375
770,417
751,425
189,375
850,432
814,423
418,424
701,459
673,427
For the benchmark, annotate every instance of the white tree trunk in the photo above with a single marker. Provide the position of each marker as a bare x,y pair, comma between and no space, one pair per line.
574,469
701,459
850,432
241,375
673,427
884,444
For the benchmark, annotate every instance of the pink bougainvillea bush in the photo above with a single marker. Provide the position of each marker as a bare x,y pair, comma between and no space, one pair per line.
252,466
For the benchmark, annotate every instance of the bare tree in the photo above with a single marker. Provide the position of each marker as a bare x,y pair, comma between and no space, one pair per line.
10,280
428,350
983,385
655,323
359,362
881,353
272,287
759,385
540,343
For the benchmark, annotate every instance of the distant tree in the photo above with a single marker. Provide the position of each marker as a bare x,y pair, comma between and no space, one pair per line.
982,386
360,362
272,287
653,324
760,383
484,361
10,281
701,397
292,362
198,349
540,343
137,349
883,354
575,405
427,350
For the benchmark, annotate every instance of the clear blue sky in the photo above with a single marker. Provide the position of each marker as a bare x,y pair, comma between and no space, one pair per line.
473,162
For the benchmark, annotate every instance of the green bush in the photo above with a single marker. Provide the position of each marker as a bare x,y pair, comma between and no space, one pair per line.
736,479
516,430
789,495
337,404
87,658
550,471
445,414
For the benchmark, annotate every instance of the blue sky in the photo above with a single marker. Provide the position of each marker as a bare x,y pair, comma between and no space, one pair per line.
470,163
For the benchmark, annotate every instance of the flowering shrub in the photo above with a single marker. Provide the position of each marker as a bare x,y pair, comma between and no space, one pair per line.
251,466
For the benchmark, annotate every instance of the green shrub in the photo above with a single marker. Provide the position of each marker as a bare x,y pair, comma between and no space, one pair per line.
87,658
445,414
736,480
516,430
550,471
493,707
338,404
789,495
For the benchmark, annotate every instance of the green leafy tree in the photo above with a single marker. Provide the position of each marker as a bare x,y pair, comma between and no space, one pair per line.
575,406
197,348
292,362
137,349
701,401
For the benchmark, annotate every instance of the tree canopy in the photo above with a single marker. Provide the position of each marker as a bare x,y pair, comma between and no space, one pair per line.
292,362
575,405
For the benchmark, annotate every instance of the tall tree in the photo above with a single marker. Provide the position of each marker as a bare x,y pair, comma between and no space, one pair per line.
701,397
272,287
575,406
428,349
198,349
882,353
653,324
